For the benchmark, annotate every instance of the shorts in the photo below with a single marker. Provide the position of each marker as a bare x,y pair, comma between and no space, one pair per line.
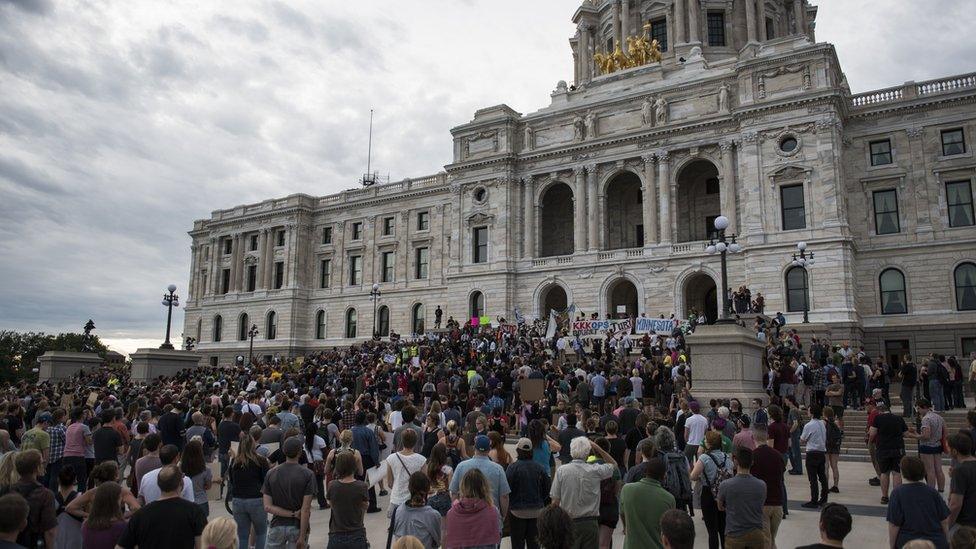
929,450
889,464
838,411
609,515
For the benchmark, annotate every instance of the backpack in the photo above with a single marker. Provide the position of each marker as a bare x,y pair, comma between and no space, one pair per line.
677,481
721,475
834,435
807,375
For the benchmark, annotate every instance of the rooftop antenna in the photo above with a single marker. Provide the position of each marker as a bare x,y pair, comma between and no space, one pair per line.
370,178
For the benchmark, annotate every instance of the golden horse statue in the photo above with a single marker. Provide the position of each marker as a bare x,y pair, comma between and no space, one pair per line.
641,50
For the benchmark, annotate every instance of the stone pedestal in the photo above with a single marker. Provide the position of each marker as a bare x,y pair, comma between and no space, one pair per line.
726,362
148,364
58,365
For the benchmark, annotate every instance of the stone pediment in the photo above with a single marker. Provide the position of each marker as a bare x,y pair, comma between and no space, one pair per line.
480,219
788,173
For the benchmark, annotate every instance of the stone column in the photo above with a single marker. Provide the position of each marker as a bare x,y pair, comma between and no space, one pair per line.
592,194
728,189
579,198
212,283
263,250
269,260
751,21
664,188
679,22
242,245
235,263
625,29
798,16
615,10
694,21
761,17
529,218
586,60
650,201
404,249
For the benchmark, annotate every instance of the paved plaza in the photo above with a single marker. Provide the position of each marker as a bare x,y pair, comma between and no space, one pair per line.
800,528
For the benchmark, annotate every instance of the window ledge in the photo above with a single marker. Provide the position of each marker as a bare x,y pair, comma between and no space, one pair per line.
968,154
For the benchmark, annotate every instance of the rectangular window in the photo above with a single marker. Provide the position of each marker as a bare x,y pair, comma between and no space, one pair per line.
881,152
225,281
953,142
325,273
770,29
254,243
421,263
252,277
716,28
794,210
423,221
280,238
609,45
886,212
480,245
710,231
388,224
326,235
228,246
959,197
386,267
357,230
355,270
659,32
279,274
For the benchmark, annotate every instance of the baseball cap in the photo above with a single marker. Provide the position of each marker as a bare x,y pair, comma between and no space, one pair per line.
45,417
482,443
524,444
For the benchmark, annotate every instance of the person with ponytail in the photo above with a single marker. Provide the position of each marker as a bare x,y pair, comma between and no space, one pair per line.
416,518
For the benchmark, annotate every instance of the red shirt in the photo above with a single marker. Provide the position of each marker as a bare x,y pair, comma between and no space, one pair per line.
780,434
768,466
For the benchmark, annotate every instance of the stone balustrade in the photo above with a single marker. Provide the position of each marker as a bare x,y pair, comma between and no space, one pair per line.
911,90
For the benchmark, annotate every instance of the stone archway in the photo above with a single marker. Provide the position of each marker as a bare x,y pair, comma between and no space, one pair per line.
556,221
622,299
700,295
698,200
624,214
553,298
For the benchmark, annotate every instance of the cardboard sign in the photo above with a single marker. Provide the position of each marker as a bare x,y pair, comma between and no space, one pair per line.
213,494
532,390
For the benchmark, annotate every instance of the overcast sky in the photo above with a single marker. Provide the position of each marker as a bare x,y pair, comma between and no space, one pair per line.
121,122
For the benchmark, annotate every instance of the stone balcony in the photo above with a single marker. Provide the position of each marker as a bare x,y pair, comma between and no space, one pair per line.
913,90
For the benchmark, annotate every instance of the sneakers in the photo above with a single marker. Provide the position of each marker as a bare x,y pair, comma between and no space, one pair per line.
834,490
811,505
884,501
376,510
796,473
874,481
384,493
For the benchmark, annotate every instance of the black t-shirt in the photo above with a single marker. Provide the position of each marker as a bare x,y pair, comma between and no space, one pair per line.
170,428
891,429
227,432
171,523
106,441
14,423
909,375
963,483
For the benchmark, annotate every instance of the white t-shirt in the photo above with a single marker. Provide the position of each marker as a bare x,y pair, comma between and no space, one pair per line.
149,487
695,427
396,420
400,491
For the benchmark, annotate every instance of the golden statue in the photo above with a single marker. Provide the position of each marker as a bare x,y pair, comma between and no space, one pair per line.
641,50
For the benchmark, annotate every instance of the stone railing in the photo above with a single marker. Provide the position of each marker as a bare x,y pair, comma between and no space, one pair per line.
383,189
911,90
689,247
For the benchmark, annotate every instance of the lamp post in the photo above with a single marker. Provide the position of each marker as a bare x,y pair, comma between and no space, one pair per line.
374,295
723,245
251,334
170,300
802,260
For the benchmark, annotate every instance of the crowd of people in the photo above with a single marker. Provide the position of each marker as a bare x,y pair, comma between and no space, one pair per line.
615,440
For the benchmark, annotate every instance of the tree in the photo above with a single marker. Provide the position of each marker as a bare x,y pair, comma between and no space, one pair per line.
19,351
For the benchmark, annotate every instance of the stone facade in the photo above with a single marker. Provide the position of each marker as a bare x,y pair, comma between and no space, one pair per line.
605,198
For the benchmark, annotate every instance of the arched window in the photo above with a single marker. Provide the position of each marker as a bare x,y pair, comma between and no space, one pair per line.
351,323
417,319
242,328
383,321
965,276
218,328
320,325
796,290
894,300
271,331
477,305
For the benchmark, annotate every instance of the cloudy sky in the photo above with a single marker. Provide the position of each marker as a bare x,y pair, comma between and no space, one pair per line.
123,121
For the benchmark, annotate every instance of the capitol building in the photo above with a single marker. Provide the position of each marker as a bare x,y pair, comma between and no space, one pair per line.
679,111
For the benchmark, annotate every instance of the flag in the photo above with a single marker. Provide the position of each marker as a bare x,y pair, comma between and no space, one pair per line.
551,329
519,319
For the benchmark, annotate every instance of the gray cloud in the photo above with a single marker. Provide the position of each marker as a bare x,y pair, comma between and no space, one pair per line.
122,122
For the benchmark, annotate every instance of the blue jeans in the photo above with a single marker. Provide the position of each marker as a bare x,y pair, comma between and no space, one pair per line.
796,460
348,540
938,397
282,537
247,513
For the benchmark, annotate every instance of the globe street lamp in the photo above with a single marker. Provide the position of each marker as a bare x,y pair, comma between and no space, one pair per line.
803,260
170,300
251,334
722,245
374,295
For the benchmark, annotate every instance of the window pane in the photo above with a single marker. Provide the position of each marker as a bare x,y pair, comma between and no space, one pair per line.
953,142
794,212
659,32
421,263
796,290
351,323
886,212
893,297
881,153
325,273
966,287
480,254
716,28
959,196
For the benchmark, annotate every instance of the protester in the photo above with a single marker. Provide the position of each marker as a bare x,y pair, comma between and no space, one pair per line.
497,482
815,438
962,489
348,500
416,518
529,484
473,520
768,466
13,520
170,521
835,524
42,521
247,471
713,466
105,523
643,504
677,530
195,468
287,493
400,466
916,510
929,438
149,490
887,433
220,533
556,529
576,488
